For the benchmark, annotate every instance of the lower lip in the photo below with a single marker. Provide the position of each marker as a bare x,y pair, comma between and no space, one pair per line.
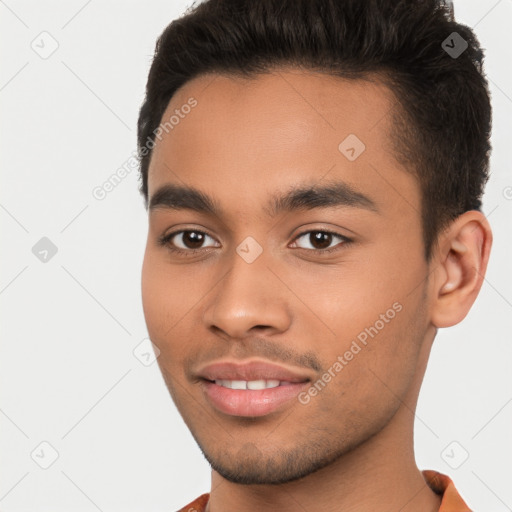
250,402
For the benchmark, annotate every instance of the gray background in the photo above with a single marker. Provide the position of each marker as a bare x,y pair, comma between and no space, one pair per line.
70,323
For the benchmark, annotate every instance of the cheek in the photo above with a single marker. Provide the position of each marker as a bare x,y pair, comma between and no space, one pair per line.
160,301
370,379
348,302
152,288
376,322
168,292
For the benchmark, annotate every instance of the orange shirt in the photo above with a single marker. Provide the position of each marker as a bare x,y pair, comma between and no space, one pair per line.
439,483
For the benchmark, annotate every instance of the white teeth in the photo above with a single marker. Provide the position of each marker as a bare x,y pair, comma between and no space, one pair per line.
256,384
238,384
251,384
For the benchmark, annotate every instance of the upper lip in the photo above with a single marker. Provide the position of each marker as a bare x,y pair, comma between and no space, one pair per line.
253,370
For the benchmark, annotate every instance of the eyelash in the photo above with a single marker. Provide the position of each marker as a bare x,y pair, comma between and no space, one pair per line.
165,239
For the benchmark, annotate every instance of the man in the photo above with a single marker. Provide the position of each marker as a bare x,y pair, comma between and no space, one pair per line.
313,171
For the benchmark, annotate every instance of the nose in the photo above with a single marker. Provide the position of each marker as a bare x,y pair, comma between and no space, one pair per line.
250,297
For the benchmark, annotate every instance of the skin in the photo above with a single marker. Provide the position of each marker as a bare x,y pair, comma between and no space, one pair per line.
351,446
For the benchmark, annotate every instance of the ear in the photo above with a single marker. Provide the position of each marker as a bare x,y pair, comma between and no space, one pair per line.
459,266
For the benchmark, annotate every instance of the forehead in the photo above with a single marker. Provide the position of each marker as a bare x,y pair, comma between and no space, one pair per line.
245,138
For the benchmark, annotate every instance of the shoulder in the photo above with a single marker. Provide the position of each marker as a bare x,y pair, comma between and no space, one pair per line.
443,485
198,505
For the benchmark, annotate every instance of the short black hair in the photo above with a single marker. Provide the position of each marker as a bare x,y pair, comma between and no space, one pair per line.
442,119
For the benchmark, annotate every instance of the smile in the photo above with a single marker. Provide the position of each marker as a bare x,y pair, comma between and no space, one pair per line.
251,398
251,384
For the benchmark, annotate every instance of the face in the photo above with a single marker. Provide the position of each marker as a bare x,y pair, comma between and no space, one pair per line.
287,295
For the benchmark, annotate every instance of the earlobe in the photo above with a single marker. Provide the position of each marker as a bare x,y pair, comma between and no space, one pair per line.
461,262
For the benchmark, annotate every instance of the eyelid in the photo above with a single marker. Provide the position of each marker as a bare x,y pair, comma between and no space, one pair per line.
164,240
345,239
167,237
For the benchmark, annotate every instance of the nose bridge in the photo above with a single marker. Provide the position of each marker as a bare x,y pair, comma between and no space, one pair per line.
249,295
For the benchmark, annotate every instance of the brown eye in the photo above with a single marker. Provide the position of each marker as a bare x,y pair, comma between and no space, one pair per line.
192,239
320,240
186,240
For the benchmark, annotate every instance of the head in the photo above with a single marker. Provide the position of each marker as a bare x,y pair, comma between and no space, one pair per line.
313,171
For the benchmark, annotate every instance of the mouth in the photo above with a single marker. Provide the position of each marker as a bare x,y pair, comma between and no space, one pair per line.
252,389
252,384
236,398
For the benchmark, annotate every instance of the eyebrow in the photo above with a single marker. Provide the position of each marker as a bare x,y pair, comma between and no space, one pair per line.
304,197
